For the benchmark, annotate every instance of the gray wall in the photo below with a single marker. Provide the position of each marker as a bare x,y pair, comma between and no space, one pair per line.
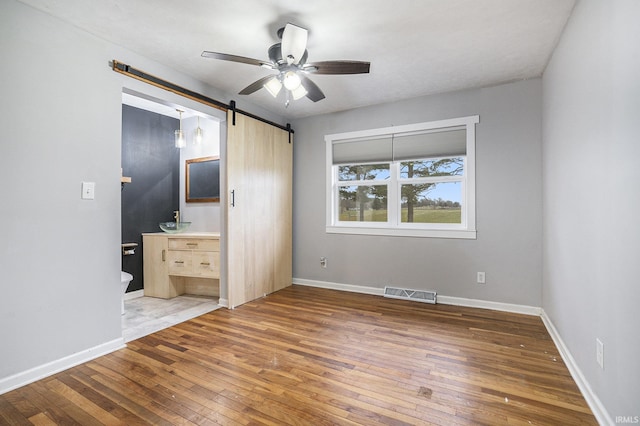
591,197
60,255
508,202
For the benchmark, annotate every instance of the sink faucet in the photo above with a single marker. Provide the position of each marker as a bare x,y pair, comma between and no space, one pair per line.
176,216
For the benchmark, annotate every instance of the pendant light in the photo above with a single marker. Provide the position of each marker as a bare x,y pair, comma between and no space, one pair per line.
180,140
198,134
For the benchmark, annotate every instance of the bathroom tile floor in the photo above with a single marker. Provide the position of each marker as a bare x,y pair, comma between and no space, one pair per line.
146,315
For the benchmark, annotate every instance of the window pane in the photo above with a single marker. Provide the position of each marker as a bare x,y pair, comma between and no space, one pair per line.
432,167
364,172
432,203
361,203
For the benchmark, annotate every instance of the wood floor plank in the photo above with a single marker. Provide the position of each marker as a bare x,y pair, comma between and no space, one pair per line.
138,380
173,387
41,419
127,394
102,416
131,411
315,356
10,414
66,412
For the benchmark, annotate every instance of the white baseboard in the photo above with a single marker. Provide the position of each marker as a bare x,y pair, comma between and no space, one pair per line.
337,286
445,300
486,304
223,302
599,411
133,294
29,376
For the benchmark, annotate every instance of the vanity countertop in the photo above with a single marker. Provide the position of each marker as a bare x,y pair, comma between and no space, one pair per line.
215,235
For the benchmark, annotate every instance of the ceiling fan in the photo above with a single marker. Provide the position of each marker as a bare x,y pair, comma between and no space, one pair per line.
289,59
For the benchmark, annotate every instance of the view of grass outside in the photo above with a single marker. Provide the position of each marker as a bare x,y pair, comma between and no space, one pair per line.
420,215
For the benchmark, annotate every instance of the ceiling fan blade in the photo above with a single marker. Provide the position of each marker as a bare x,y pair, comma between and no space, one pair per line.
256,85
313,91
294,43
234,58
337,67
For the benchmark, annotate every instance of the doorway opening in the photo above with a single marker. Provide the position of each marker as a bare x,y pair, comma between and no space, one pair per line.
156,191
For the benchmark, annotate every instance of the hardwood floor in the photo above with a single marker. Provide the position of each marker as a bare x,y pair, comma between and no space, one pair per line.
310,356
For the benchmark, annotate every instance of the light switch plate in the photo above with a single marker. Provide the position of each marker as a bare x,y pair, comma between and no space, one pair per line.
88,190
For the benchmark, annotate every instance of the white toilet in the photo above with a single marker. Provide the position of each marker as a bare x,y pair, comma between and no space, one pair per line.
125,279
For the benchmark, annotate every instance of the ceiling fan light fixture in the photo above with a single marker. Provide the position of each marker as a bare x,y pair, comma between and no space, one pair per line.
298,92
273,86
291,80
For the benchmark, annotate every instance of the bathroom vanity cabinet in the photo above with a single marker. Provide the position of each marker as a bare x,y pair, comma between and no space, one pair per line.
186,263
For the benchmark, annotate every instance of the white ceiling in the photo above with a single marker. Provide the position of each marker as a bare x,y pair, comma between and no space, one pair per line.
416,47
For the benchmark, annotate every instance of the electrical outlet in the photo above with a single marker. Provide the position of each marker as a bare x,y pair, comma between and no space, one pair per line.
481,279
323,262
600,353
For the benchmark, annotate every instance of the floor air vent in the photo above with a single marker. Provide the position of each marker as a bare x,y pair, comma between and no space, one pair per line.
408,294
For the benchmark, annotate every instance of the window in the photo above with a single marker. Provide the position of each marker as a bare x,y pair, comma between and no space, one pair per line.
413,180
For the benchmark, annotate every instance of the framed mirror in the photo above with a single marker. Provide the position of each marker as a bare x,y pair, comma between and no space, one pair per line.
202,180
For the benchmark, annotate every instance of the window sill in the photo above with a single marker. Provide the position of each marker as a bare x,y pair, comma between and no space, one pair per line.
420,233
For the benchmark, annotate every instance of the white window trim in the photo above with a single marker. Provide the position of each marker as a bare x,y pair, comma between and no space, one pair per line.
466,230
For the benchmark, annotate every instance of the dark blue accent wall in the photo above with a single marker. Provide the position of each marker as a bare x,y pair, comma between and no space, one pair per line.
150,158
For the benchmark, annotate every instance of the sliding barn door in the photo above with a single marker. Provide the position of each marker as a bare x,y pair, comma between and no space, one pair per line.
259,180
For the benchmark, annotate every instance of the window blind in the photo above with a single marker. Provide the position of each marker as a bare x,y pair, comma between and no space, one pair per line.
440,143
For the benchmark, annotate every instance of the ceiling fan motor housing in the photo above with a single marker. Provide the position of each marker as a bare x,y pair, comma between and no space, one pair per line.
275,55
